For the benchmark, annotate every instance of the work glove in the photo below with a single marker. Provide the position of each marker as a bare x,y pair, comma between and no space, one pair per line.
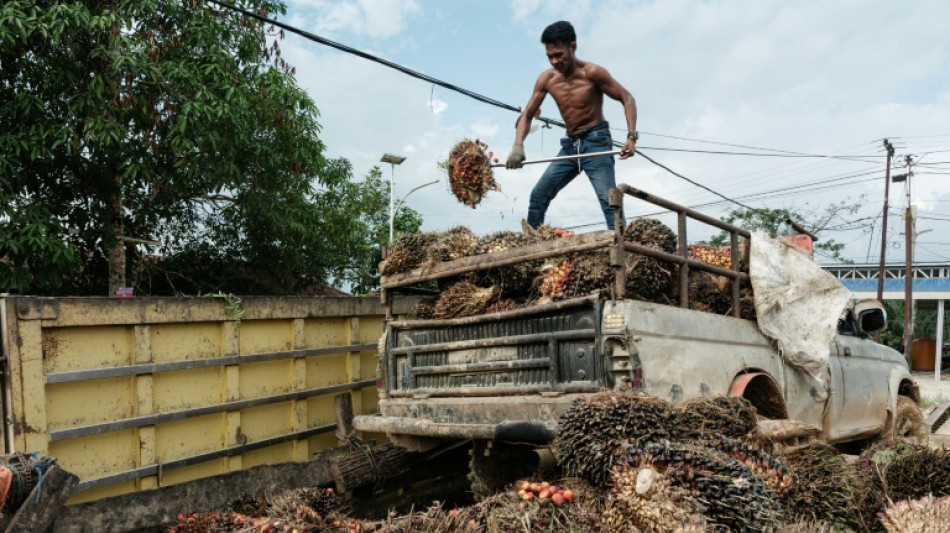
515,157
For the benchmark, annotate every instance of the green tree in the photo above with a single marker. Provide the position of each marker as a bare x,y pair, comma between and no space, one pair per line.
371,232
772,221
167,122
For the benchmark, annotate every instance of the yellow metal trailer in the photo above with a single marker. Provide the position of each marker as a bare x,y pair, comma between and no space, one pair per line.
131,394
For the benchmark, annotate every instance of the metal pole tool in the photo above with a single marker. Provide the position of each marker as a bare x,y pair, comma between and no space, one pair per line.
564,158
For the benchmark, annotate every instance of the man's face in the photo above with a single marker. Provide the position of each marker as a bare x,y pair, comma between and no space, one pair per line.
561,56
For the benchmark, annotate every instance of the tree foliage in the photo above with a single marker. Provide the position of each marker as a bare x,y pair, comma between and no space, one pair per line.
772,221
168,121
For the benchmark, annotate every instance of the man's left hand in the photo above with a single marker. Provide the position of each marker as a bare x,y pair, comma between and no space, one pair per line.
629,148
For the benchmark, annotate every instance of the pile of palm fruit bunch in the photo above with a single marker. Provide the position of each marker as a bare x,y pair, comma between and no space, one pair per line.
925,515
823,487
706,477
569,276
306,510
470,174
712,488
893,472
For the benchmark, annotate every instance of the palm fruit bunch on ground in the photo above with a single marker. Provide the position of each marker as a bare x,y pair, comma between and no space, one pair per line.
306,505
891,472
705,294
595,432
729,495
643,499
509,512
464,299
470,173
926,515
723,415
407,253
210,522
453,244
822,486
767,468
720,257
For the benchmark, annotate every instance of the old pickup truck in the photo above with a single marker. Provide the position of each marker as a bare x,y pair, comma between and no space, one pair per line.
507,377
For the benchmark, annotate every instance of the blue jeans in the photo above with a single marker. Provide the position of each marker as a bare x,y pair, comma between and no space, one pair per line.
600,172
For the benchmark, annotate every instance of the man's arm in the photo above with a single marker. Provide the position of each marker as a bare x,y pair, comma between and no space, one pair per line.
613,89
516,157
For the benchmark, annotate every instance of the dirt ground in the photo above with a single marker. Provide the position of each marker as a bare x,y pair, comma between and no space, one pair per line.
935,395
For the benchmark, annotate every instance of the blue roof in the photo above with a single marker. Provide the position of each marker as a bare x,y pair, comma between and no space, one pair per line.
897,285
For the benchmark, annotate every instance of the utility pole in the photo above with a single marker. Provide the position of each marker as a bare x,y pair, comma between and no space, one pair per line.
887,190
908,266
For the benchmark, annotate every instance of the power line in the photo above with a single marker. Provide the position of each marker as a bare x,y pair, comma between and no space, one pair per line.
435,81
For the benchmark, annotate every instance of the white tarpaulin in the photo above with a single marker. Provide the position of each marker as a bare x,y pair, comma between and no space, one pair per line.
798,304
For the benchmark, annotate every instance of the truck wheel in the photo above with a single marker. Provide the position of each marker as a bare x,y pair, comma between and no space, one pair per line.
494,465
907,424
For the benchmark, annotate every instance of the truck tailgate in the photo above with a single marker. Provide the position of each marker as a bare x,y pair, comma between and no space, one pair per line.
543,348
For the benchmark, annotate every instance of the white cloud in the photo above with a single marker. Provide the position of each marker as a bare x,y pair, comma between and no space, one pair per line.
484,130
372,18
437,106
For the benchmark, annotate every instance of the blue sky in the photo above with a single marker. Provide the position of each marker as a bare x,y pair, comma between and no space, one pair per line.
814,77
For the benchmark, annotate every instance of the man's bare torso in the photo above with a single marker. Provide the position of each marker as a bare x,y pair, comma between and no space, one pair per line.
579,99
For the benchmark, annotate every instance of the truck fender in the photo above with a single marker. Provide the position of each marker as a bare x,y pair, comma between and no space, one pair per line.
900,384
762,392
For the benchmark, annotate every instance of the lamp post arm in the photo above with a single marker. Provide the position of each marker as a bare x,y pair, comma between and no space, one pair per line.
401,200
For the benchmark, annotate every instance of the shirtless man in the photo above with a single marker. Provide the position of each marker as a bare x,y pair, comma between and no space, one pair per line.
578,88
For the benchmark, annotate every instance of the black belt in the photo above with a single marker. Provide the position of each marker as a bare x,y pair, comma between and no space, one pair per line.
584,133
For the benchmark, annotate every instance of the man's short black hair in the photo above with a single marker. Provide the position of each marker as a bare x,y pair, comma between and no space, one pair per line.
561,32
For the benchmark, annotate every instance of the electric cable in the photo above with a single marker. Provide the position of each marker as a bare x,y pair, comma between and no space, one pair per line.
471,94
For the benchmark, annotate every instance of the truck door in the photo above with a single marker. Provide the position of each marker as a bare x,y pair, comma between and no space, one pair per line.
861,387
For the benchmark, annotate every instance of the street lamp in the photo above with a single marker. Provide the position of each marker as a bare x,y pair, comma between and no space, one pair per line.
393,160
403,199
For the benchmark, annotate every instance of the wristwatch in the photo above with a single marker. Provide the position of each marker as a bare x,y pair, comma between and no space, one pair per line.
635,135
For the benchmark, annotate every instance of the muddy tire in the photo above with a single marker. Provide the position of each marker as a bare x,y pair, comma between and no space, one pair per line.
494,465
907,424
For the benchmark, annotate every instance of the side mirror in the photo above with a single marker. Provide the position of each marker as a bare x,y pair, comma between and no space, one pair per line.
872,320
871,316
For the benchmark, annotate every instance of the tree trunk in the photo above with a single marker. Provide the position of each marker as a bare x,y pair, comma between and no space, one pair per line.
116,253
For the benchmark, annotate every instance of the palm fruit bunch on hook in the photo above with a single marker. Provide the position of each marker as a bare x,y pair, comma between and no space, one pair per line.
725,491
597,431
724,415
643,499
407,253
464,299
822,485
514,281
470,173
926,515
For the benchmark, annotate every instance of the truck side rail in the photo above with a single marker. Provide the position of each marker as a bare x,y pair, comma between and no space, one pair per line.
619,247
612,241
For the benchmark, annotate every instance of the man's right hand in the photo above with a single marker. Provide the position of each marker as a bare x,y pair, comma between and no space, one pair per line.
515,157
